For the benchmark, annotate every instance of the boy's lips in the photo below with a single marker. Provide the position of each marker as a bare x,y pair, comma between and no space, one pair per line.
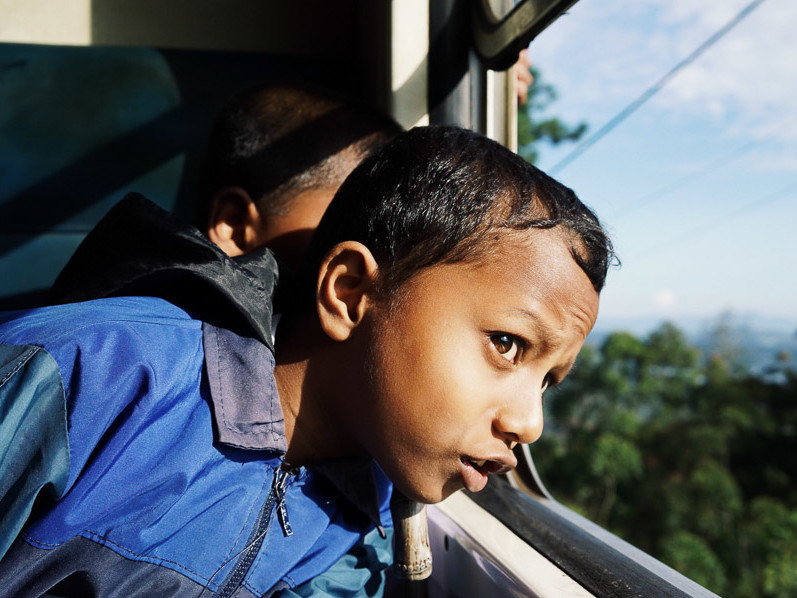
474,471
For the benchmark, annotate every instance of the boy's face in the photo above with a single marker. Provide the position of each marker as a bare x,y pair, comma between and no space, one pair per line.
288,235
457,368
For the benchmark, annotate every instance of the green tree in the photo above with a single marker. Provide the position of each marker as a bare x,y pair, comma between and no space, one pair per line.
684,550
725,342
534,128
690,457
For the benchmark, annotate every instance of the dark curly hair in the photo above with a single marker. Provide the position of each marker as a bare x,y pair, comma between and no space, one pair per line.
279,139
442,195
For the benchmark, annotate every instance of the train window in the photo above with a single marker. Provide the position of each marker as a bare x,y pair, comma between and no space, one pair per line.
672,428
598,562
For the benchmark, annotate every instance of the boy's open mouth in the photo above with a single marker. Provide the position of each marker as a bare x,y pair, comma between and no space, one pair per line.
474,471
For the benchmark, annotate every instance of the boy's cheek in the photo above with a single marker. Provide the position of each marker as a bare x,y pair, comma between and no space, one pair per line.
435,413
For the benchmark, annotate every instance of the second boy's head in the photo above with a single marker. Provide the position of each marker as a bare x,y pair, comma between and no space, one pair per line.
275,158
452,284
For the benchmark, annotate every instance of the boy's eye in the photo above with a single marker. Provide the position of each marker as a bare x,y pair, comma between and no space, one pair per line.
506,346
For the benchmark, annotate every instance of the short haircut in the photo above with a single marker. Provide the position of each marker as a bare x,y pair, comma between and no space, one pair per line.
278,140
446,195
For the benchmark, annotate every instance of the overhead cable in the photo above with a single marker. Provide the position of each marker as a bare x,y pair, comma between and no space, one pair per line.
782,192
707,168
655,88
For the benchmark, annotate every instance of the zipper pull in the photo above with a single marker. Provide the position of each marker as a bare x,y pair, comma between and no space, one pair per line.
280,482
282,514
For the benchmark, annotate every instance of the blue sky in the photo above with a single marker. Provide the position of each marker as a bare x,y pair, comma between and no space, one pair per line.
699,186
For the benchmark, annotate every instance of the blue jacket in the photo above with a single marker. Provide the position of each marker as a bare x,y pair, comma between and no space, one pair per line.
147,445
173,440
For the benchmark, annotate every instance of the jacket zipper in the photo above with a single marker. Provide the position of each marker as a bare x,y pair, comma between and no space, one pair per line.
276,497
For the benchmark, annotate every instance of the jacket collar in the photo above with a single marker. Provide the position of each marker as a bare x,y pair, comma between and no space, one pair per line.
248,415
141,249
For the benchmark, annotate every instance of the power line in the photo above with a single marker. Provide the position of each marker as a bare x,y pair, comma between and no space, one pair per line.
768,198
655,88
707,168
688,178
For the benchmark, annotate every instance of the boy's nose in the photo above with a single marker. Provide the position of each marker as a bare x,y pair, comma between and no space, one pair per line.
520,419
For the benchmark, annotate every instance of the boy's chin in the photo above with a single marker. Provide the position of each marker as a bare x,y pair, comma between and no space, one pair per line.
429,494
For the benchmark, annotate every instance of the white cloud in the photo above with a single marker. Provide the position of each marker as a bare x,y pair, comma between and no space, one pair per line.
752,68
706,14
775,161
664,299
607,52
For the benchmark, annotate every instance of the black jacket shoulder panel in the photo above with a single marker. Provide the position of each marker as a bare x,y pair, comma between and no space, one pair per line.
140,249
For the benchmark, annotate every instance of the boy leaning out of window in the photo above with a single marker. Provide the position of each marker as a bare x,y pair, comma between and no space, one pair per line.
449,284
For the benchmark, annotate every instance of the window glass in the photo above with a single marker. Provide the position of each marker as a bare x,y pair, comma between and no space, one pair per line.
677,430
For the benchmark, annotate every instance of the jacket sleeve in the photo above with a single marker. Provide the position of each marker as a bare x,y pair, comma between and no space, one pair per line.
34,448
360,573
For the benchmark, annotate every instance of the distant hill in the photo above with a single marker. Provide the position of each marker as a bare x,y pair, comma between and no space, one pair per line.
758,340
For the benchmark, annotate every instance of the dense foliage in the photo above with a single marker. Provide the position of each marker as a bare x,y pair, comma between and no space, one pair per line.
689,456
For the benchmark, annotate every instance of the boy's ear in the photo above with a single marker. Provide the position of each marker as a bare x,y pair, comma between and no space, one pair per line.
234,221
344,280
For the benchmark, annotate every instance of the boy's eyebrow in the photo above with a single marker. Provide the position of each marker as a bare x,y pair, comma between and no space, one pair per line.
548,339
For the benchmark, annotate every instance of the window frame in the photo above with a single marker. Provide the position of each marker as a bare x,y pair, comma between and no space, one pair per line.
601,562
